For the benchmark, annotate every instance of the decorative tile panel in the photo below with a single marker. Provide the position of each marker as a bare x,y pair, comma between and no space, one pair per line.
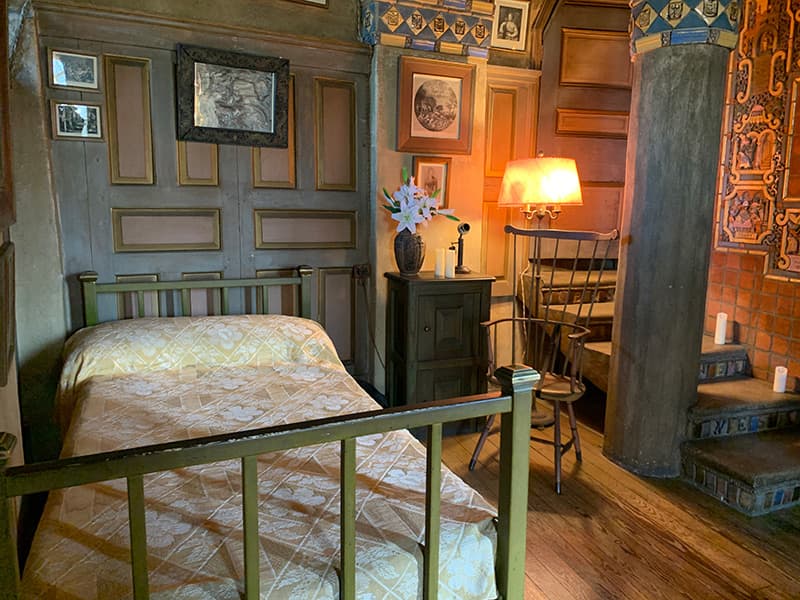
446,26
659,23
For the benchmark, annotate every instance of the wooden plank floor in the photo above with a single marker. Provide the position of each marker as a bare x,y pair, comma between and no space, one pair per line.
612,534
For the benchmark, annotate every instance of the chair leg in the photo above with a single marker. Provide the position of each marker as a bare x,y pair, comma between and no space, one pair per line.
481,441
574,426
557,443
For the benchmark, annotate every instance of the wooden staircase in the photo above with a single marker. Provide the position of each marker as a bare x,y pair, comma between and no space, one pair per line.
742,439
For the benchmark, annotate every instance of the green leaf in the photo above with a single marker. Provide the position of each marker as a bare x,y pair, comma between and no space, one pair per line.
391,209
435,193
405,175
452,217
388,195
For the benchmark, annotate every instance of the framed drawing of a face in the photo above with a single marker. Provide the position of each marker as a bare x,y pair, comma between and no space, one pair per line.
432,173
434,106
232,98
510,24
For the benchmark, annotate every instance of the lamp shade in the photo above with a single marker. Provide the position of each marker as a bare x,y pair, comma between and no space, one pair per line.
542,180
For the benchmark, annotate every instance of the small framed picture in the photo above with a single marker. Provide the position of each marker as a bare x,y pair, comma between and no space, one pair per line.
510,24
73,70
432,173
76,120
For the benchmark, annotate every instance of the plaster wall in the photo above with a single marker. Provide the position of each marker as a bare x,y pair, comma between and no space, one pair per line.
41,323
466,185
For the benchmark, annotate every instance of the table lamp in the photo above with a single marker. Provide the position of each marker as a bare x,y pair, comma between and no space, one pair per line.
541,186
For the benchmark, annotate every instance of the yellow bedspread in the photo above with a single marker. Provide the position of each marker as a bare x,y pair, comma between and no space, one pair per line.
132,383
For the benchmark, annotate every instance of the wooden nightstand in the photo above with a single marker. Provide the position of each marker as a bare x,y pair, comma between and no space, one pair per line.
435,348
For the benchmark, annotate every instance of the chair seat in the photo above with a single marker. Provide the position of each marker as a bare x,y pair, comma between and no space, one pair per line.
556,387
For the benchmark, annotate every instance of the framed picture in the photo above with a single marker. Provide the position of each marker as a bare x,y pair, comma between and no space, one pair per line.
510,24
73,70
434,106
432,173
232,98
76,120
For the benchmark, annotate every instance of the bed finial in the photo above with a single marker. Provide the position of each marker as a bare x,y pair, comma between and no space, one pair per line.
88,281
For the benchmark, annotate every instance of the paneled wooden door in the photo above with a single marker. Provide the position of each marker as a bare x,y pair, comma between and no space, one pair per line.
585,102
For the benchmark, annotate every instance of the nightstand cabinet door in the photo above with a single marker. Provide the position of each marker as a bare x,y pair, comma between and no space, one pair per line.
446,326
434,343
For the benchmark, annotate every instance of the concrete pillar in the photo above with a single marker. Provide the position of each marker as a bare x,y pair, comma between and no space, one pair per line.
680,59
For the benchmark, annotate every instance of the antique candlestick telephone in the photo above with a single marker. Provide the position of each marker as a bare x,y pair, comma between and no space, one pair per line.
463,229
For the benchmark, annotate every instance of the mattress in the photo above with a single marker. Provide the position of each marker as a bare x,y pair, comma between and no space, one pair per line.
131,383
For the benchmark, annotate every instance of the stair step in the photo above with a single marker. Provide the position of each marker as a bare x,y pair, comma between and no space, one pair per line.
717,363
722,361
741,406
755,473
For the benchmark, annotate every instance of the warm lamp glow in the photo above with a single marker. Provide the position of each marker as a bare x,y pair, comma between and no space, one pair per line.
543,182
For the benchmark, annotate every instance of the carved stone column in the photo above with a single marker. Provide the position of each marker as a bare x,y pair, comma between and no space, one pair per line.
680,58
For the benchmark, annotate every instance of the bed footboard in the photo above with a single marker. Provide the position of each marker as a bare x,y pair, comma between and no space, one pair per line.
514,404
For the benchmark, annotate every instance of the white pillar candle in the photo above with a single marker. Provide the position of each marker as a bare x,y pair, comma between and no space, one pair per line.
722,327
779,384
439,269
450,264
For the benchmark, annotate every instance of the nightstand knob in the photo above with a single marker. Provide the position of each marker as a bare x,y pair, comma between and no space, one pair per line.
426,329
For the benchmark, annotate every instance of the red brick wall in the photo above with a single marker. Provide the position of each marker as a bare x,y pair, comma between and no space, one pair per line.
763,313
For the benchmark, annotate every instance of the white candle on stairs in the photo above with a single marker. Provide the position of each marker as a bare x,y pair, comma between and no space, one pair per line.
779,384
721,329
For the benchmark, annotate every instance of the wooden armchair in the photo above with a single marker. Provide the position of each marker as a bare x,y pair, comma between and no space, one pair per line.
566,276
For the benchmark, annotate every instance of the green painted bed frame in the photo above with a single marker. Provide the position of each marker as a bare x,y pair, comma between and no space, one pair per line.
514,404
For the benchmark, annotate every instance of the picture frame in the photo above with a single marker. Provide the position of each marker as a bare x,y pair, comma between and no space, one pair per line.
510,28
79,121
210,82
317,3
432,173
435,103
73,70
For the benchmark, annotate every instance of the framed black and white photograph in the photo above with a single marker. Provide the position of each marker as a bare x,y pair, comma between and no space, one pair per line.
432,173
434,106
232,98
77,120
510,24
73,70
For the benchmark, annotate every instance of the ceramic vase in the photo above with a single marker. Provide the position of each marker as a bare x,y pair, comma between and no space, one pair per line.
409,252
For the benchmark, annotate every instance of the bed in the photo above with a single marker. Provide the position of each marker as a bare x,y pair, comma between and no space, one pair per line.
233,456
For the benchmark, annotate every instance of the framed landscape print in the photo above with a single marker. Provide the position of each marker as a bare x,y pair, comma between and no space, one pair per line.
510,24
76,121
434,106
73,70
432,173
232,98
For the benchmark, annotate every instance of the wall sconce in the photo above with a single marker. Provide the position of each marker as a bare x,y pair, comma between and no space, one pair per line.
540,186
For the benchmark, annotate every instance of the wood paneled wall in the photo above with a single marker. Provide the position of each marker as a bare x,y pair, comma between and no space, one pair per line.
140,204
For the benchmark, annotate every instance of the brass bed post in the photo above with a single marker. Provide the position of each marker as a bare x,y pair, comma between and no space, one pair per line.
305,290
512,520
9,567
88,281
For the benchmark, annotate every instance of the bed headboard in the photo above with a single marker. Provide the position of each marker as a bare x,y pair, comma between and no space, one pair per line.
174,297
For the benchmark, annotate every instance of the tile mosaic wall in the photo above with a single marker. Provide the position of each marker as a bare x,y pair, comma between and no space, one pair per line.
448,26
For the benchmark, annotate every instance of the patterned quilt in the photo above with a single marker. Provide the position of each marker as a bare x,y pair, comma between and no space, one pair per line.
130,383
